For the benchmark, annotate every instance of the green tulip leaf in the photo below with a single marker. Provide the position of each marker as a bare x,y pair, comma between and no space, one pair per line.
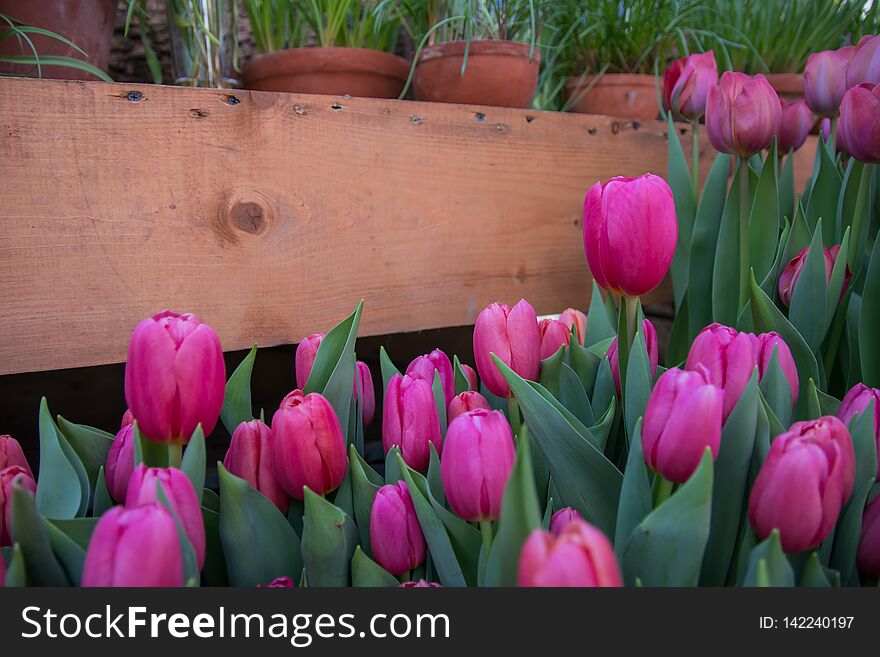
388,368
435,477
776,389
190,560
635,493
605,390
764,218
776,569
814,574
822,203
639,382
366,573
29,532
102,499
869,346
151,454
90,445
63,486
584,363
599,324
461,382
786,189
573,397
725,279
70,540
16,573
439,401
550,369
393,473
237,405
193,463
684,195
365,483
849,528
214,571
328,542
808,300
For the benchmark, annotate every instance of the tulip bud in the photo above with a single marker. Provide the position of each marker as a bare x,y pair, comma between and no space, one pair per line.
181,496
12,454
807,477
512,334
562,519
306,352
825,80
249,457
575,319
742,114
410,420
651,347
471,375
682,418
476,463
795,266
616,211
134,547
729,358
764,345
864,67
308,446
395,534
8,476
120,463
797,122
855,402
421,584
368,403
175,378
127,418
858,129
868,557
580,555
424,367
686,84
825,129
283,582
554,334
466,401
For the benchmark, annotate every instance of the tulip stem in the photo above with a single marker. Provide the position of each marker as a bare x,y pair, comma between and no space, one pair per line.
695,158
832,136
515,417
175,455
486,532
743,234
662,490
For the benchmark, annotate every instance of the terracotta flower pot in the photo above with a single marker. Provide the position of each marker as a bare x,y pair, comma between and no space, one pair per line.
789,86
630,95
330,71
87,23
498,73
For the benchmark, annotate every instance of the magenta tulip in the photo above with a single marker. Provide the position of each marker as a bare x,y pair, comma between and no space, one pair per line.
686,84
410,420
134,547
864,67
562,519
858,129
650,334
797,122
464,402
120,463
11,454
249,457
421,584
395,534
127,418
8,476
855,402
175,378
368,403
825,129
764,345
306,352
308,446
512,334
283,582
868,557
825,80
471,375
424,367
742,114
728,356
577,320
580,556
792,271
807,477
554,334
178,489
477,460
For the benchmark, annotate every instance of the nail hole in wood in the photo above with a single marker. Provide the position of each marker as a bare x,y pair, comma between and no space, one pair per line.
480,116
615,127
336,107
135,96
416,119
198,113
529,119
593,130
500,128
635,125
232,100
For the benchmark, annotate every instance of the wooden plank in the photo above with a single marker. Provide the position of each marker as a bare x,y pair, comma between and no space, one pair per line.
271,215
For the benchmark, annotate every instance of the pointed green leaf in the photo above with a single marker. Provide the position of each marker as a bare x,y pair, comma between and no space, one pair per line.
237,406
764,218
193,463
683,193
434,477
328,543
584,363
29,532
91,445
639,382
550,368
814,574
869,345
388,368
786,189
849,528
439,401
60,486
70,540
777,570
103,500
599,325
16,575
365,482
367,573
635,493
823,196
461,382
573,397
776,389
393,473
808,300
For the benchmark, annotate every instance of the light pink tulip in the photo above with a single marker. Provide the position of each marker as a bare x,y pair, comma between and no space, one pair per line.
576,319
306,352
513,335
825,80
469,400
686,84
581,556
743,114
864,67
554,334
797,122
249,457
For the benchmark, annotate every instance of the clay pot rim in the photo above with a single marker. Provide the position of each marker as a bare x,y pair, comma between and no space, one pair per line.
456,48
613,80
319,59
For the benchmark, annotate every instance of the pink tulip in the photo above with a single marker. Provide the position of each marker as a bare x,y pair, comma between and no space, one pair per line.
858,129
120,463
368,404
471,375
11,454
410,420
580,556
650,334
562,519
512,334
764,345
282,582
742,114
575,319
864,67
630,231
825,129
466,401
134,547
306,352
421,584
424,367
8,476
395,534
797,122
825,80
554,334
178,489
249,457
807,477
855,402
175,378
683,417
868,557
308,446
790,275
728,356
127,418
686,84
477,460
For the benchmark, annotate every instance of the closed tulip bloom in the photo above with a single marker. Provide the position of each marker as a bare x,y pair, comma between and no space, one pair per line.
127,418
683,417
134,547
807,477
368,404
306,352
797,121
120,463
12,454
8,476
855,402
576,319
477,460
471,375
512,334
792,272
308,446
868,556
764,345
249,457
410,420
421,584
181,496
650,334
437,361
825,129
464,402
580,556
742,114
282,582
175,378
858,129
562,519
728,356
554,334
686,84
825,80
395,534
864,67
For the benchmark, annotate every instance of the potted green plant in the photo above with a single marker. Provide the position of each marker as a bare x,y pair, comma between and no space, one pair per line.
336,47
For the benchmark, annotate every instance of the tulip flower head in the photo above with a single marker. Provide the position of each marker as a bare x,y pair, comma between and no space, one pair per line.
554,334
120,463
728,356
471,375
395,534
686,84
577,320
437,361
410,420
855,402
421,584
580,555
512,334
743,114
825,80
306,353
797,122
464,402
650,335
8,478
792,272
249,457
858,129
765,344
864,67
127,418
282,582
868,557
12,454
562,519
